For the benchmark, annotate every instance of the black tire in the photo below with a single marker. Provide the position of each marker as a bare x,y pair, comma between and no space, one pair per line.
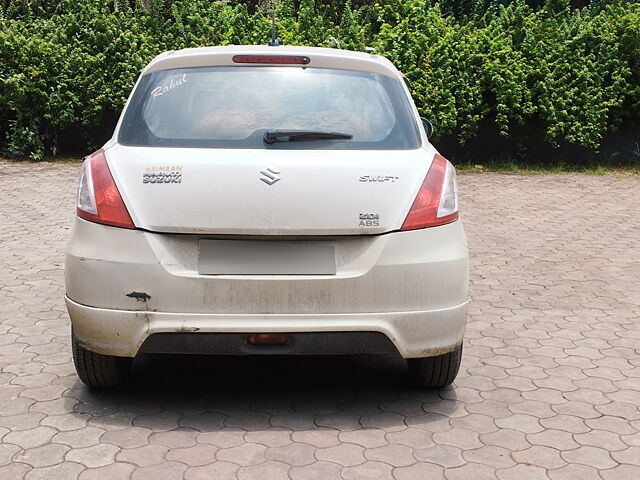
435,372
99,371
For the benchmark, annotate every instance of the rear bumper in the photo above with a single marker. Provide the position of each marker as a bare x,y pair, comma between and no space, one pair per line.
120,269
123,333
125,285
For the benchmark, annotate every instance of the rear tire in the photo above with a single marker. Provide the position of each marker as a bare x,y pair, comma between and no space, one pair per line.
435,372
99,371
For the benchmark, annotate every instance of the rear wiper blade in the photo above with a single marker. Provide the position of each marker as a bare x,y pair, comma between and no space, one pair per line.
272,136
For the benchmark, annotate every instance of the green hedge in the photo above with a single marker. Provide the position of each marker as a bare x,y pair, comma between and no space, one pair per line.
567,74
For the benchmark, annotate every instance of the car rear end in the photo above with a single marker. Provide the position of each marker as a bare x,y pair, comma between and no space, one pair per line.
218,220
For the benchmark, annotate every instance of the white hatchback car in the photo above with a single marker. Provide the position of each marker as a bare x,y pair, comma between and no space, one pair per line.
268,201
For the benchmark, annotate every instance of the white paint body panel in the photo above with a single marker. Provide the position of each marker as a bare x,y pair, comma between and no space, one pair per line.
221,192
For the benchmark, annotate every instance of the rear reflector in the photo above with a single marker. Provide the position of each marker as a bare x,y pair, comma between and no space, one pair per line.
272,59
267,339
99,200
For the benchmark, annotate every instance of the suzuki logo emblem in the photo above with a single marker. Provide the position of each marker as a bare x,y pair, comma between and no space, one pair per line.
271,175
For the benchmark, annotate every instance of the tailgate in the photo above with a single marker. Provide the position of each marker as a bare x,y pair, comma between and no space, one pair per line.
268,192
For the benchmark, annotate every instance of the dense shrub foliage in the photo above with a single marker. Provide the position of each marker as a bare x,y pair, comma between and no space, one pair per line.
566,71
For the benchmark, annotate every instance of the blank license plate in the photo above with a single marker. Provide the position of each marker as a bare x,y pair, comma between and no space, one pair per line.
240,257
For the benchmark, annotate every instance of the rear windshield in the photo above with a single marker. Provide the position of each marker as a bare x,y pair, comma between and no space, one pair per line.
233,107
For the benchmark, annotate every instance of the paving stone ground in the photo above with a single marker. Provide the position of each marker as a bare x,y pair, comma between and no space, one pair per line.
549,385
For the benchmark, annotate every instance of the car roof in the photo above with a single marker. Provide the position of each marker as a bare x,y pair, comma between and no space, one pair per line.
319,58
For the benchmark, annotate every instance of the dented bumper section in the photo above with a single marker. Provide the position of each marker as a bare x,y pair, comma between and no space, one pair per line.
123,269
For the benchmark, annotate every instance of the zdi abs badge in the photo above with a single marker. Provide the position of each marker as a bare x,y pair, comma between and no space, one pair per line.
369,220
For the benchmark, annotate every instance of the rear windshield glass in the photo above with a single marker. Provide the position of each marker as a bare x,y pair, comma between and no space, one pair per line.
233,107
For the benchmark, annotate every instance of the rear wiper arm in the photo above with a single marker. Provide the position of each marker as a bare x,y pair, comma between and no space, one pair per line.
272,136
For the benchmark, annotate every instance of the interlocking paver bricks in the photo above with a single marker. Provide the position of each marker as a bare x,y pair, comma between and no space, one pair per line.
31,438
492,456
80,438
368,471
591,456
145,456
316,471
392,454
549,385
166,471
296,454
443,455
217,470
115,471
411,437
471,471
222,439
246,454
575,472
368,438
62,471
346,454
269,469
319,438
545,457
419,471
163,421
513,440
621,472
273,437
43,456
523,472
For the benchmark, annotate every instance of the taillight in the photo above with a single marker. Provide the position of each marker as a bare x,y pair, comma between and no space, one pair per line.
437,199
272,59
99,200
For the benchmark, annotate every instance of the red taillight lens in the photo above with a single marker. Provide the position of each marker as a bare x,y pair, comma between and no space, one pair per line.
99,200
272,59
437,199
